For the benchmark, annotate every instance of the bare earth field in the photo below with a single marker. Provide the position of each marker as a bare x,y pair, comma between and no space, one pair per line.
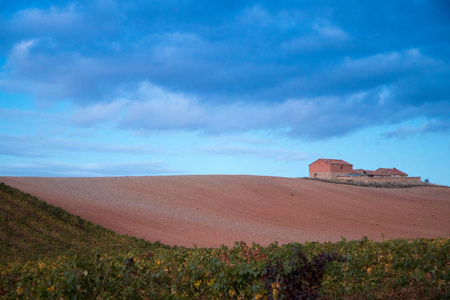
210,210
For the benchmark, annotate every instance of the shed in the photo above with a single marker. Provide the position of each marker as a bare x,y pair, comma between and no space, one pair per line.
391,172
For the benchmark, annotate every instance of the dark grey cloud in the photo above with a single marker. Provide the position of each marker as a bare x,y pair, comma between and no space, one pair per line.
233,66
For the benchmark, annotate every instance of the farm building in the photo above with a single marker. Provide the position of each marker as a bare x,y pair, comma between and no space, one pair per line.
337,169
391,172
329,168
380,172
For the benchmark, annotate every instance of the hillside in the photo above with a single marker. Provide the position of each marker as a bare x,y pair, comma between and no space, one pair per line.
31,229
48,253
214,210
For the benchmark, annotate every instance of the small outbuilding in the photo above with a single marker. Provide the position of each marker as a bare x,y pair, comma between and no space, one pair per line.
391,172
380,172
329,168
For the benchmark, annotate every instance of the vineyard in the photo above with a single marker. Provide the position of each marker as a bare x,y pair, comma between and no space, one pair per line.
48,253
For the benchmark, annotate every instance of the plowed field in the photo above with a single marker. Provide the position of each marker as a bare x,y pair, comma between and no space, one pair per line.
210,210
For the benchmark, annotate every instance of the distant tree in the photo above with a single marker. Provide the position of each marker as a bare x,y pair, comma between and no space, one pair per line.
427,180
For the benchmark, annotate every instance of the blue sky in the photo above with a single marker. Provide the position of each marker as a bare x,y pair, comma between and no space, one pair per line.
106,88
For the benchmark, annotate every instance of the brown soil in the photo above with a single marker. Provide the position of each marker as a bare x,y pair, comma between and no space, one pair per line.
212,210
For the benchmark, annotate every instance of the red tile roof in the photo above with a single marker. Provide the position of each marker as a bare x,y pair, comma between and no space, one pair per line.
334,161
392,171
376,173
363,171
380,172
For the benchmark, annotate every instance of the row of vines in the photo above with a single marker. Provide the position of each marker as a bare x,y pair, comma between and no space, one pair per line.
406,269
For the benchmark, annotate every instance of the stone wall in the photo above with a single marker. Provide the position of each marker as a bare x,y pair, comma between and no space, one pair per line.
366,179
326,175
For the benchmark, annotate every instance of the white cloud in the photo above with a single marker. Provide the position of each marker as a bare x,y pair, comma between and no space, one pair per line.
255,15
242,151
243,139
15,114
50,20
329,31
62,169
22,49
178,45
404,131
164,110
101,112
384,64
18,57
151,108
322,34
159,109
44,146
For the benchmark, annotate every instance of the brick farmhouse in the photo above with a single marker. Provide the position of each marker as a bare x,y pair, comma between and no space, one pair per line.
338,169
329,168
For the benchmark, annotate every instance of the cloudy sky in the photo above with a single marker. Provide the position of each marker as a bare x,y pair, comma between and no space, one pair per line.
106,88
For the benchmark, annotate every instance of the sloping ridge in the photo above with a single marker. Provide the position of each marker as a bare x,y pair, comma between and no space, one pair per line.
31,229
210,210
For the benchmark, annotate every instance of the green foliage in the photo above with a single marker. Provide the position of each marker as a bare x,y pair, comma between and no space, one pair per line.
127,268
356,269
31,229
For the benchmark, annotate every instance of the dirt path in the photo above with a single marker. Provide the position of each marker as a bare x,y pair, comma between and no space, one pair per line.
221,209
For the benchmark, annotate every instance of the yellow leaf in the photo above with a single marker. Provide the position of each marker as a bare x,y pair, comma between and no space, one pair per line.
19,290
51,289
197,284
231,293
